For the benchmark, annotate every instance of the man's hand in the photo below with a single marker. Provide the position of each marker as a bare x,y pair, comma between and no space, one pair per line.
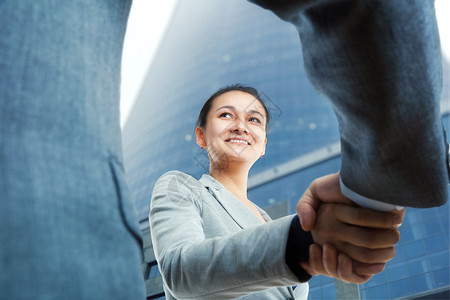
327,190
364,235
352,250
356,242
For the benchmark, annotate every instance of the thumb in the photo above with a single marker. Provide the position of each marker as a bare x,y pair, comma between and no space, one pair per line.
306,210
325,189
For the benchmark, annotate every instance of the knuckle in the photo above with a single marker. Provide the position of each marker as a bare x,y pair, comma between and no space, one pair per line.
391,237
331,232
357,217
378,256
365,279
391,220
396,236
325,235
367,256
327,209
367,239
375,239
390,253
382,268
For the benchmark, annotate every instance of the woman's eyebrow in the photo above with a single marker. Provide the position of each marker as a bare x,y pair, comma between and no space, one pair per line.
252,111
227,106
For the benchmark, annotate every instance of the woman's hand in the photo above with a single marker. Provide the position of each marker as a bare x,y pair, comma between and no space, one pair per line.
328,262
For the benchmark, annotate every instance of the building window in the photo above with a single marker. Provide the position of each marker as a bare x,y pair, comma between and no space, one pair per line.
152,270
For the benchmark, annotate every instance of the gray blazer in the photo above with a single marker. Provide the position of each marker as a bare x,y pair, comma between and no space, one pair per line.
209,245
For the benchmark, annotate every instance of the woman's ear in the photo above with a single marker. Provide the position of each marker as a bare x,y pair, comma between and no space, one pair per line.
200,140
264,147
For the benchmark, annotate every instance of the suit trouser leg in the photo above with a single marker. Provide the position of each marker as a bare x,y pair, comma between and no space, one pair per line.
68,229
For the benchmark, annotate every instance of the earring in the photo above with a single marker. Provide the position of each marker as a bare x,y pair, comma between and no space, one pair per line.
261,156
201,147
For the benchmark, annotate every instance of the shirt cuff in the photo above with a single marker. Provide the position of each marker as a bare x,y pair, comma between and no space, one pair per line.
366,202
297,249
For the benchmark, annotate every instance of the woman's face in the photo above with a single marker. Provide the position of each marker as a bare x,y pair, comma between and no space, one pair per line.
235,129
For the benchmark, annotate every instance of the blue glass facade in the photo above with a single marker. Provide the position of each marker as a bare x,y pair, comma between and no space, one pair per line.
227,42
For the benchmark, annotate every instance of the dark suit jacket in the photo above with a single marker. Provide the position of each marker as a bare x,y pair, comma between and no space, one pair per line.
379,64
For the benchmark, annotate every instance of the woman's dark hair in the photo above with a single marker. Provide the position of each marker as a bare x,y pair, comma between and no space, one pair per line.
202,117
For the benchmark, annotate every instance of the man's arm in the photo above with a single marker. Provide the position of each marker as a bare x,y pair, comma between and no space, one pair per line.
379,63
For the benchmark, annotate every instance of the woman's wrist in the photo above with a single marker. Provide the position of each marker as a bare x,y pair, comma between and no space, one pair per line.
297,249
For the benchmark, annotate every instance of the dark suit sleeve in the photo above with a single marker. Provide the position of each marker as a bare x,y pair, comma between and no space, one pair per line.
297,249
379,64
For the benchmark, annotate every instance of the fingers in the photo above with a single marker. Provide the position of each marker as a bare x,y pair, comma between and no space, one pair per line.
345,270
347,274
365,217
328,262
363,254
327,190
370,256
315,259
400,213
330,229
368,269
367,237
340,267
305,265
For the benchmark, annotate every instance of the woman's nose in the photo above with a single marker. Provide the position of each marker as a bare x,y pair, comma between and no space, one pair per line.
239,126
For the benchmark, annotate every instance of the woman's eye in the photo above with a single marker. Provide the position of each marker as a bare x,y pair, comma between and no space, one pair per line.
256,120
225,115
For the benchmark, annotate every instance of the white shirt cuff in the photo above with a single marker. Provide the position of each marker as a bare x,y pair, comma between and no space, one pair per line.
366,202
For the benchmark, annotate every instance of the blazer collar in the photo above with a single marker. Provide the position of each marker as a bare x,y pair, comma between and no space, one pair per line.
237,210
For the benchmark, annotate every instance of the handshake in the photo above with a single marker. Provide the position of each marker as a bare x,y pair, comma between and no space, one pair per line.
351,243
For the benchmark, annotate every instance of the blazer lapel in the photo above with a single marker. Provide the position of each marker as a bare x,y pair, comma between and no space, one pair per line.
265,215
240,213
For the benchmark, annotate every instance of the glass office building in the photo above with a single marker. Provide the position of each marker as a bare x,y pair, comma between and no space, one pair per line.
211,44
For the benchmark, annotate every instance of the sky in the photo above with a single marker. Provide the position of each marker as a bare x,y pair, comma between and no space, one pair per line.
146,26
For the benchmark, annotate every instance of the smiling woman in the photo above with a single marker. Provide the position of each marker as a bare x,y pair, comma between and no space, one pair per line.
212,242
234,134
232,127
